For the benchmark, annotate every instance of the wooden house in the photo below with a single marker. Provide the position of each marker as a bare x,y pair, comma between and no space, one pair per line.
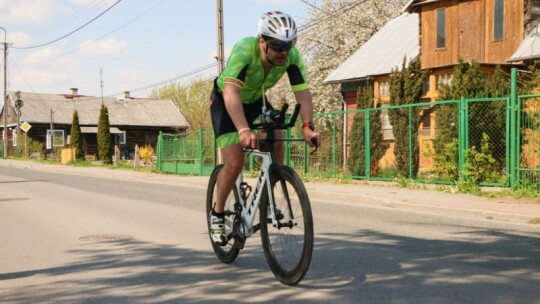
133,121
491,32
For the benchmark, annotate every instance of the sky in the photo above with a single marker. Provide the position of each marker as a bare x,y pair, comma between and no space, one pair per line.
133,46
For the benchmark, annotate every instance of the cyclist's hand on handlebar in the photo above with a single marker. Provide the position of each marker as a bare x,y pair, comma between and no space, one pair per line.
312,138
248,139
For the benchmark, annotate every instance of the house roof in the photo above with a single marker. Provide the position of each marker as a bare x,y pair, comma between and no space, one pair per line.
529,47
94,130
383,52
122,112
413,3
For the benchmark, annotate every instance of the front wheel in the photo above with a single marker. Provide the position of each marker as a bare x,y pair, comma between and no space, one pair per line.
289,246
229,252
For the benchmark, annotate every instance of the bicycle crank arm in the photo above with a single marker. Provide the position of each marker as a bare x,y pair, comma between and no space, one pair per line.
256,228
288,224
240,240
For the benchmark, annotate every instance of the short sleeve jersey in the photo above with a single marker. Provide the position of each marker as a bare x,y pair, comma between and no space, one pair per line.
246,70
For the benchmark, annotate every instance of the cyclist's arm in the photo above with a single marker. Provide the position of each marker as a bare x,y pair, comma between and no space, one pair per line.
231,97
303,97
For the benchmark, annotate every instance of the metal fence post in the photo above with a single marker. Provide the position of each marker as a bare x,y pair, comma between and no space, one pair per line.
462,134
367,143
514,130
159,151
305,158
201,152
410,144
334,165
288,148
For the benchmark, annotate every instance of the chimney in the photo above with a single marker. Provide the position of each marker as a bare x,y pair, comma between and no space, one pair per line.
126,95
74,92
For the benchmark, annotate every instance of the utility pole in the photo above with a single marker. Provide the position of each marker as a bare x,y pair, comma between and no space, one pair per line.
5,93
101,83
52,135
18,106
220,48
220,53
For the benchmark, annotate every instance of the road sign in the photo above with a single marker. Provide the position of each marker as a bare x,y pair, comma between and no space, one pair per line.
25,127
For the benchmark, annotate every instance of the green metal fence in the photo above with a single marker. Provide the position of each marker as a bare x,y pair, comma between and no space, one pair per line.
188,153
415,151
489,141
528,137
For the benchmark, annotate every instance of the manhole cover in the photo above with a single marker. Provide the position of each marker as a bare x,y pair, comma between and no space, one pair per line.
105,238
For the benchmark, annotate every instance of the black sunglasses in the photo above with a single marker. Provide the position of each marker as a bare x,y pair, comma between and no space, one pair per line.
280,46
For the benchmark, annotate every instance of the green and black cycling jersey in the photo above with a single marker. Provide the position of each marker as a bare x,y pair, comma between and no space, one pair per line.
245,69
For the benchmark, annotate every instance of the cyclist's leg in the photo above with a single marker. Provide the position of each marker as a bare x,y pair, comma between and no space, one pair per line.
279,146
227,140
233,159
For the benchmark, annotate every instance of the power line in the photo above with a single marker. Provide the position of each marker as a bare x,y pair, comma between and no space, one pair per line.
336,11
302,28
73,19
310,26
187,74
36,46
99,38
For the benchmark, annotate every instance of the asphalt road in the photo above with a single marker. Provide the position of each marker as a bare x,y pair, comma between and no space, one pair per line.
70,238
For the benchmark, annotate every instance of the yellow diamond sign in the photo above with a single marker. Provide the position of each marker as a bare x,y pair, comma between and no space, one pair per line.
25,127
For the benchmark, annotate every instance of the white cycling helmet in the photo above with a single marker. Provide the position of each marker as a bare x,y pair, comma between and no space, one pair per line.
277,25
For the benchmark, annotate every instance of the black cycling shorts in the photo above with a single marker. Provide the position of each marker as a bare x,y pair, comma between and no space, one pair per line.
224,129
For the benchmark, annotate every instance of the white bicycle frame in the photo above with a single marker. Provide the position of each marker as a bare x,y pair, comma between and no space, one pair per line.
248,211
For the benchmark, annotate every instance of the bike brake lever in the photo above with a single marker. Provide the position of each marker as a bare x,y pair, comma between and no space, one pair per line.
315,142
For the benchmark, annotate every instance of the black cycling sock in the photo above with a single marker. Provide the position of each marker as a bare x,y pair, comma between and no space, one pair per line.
214,213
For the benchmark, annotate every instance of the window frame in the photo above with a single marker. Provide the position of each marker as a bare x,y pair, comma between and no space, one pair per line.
441,28
122,138
59,139
384,88
498,20
426,123
386,127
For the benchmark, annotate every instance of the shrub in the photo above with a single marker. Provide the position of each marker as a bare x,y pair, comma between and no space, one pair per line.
146,152
104,146
77,137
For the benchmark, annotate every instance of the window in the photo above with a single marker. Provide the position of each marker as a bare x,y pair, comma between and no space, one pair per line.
14,136
426,87
426,122
441,28
445,79
122,138
386,126
58,138
498,20
383,88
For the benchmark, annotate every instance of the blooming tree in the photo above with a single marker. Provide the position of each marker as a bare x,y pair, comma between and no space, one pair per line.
333,31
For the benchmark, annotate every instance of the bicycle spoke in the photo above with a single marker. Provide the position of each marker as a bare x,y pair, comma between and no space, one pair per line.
228,252
288,248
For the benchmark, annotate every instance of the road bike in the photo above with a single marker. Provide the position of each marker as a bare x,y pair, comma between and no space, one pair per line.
279,198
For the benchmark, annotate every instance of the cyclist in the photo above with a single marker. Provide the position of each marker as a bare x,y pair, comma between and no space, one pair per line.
255,64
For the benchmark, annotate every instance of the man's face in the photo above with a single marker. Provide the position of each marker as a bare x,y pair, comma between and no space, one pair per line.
276,51
277,57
